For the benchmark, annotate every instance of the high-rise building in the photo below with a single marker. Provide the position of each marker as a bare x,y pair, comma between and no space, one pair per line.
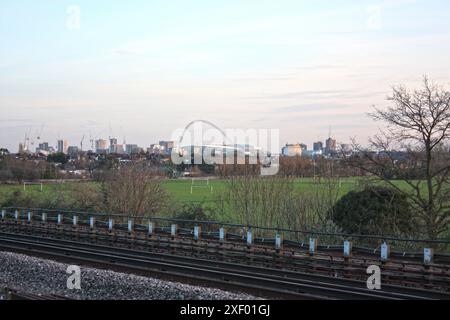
303,146
132,149
44,146
318,146
62,146
112,145
330,146
72,151
101,146
119,149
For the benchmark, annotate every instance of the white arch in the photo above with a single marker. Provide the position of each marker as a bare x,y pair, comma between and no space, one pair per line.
208,123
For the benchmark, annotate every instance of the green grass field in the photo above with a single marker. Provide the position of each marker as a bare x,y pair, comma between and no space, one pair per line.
180,190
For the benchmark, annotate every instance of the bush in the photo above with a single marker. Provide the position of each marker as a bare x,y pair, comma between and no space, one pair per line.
374,210
195,211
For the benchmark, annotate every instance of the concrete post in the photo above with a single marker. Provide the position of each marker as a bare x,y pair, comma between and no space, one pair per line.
222,234
347,249
278,241
385,251
428,255
173,230
197,232
312,246
249,237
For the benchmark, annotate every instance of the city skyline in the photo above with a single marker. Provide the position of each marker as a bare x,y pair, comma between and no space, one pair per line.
110,145
141,71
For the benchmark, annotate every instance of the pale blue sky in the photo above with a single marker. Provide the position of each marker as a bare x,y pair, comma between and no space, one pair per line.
141,69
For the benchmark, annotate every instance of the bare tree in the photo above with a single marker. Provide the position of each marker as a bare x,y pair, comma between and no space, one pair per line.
262,201
412,149
136,191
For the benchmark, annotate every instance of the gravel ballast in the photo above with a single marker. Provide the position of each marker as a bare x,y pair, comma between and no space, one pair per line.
41,276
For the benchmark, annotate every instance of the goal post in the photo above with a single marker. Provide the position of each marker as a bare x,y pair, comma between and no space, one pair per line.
40,184
201,183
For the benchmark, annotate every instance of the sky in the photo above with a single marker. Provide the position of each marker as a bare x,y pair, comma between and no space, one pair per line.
138,70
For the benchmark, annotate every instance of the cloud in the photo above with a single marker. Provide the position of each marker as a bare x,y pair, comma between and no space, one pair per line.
326,94
307,107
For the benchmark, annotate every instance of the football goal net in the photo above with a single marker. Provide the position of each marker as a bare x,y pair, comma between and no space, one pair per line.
201,184
40,185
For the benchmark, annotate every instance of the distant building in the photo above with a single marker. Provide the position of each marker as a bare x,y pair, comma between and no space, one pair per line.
72,151
62,146
101,146
132,149
292,150
304,147
318,146
117,149
330,146
346,148
22,148
167,146
112,145
4,151
44,146
155,149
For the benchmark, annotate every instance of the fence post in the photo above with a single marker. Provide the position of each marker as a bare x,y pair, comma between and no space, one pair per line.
150,229
173,230
110,224
278,241
249,237
348,249
222,234
312,246
428,256
92,222
197,232
385,251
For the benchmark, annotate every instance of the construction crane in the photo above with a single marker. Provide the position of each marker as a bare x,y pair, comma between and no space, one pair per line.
81,143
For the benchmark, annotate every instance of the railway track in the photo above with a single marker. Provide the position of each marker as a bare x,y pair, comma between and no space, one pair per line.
395,272
14,294
273,283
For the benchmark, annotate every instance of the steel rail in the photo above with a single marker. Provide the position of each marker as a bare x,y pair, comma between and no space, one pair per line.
341,283
358,251
280,282
15,294
390,275
333,266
